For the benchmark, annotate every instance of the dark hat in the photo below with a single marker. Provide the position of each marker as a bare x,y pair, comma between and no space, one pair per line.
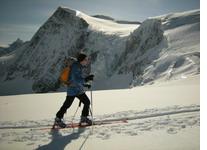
81,57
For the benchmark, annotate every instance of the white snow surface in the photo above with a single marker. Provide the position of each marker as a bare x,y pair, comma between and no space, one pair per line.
160,116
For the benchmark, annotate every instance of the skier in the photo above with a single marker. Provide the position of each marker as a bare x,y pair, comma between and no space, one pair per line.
76,83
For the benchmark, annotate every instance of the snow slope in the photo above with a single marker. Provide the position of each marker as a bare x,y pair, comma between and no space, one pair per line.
160,116
160,49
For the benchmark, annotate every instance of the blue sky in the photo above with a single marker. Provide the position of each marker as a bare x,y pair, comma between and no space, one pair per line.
22,18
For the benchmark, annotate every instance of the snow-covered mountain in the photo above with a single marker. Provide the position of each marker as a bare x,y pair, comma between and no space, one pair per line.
123,55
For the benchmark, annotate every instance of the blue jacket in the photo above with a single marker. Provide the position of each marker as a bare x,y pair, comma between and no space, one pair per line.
76,80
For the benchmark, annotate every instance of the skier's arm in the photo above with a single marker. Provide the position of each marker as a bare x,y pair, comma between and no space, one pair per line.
78,75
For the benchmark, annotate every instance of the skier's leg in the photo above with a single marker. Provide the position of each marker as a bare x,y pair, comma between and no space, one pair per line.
68,102
85,100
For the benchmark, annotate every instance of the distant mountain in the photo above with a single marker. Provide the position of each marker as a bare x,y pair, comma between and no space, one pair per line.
12,47
123,55
2,50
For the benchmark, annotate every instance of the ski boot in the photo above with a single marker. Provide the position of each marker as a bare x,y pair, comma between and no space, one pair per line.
59,122
85,121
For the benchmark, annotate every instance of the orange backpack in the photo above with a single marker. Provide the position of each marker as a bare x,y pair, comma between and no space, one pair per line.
65,75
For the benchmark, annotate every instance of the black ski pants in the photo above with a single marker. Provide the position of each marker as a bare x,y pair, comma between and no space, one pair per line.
68,102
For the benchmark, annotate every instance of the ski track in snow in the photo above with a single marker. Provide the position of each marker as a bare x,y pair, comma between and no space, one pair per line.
171,119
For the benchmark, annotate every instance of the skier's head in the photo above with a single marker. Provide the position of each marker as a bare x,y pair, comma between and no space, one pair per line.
82,59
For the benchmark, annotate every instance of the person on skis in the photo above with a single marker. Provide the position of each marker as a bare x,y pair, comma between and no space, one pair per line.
75,89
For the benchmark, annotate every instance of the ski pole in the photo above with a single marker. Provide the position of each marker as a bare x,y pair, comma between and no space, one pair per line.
75,112
91,105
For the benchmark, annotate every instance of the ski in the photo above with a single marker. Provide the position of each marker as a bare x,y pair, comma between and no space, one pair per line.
78,125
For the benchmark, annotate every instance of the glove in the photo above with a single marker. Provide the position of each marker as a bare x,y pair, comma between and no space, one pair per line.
89,78
87,85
